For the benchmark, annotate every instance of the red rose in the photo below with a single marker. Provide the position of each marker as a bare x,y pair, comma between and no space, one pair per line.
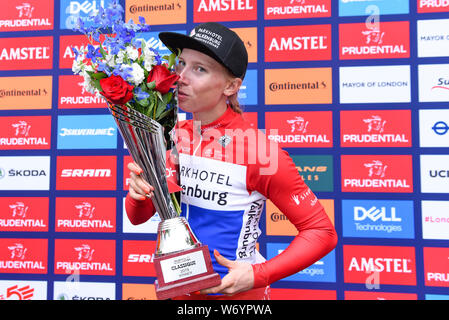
163,77
116,90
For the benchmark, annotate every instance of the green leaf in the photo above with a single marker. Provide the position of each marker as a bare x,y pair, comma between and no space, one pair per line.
98,75
97,85
167,97
151,85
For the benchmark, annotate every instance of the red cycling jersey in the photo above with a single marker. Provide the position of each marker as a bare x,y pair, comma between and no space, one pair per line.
227,170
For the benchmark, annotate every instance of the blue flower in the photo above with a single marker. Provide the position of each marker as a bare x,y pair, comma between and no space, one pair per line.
93,53
140,94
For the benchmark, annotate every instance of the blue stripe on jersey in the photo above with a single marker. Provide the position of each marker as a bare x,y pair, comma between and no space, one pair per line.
210,225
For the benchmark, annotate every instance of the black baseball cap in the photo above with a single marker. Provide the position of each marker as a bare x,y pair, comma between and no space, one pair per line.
214,40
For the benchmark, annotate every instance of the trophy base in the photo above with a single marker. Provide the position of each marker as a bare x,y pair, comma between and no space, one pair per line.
184,272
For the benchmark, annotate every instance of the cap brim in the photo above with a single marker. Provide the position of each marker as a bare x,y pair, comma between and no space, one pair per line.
174,41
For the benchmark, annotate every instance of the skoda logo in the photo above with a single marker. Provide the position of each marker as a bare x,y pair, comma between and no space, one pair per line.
440,128
2,173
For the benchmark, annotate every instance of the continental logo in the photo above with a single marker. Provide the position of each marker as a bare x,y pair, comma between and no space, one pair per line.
138,291
249,38
298,86
157,12
279,225
25,92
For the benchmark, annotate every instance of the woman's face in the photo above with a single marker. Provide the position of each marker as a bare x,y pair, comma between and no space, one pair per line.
203,82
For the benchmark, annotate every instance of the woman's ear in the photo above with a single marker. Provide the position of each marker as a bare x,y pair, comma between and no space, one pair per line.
232,87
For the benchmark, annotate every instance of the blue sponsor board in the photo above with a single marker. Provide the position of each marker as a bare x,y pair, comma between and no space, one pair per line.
152,39
71,10
378,219
437,297
372,7
248,90
87,132
321,271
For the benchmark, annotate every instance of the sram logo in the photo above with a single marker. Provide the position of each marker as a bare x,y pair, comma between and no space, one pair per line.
86,173
138,258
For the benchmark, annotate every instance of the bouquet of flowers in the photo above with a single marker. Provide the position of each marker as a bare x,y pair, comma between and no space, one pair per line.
122,68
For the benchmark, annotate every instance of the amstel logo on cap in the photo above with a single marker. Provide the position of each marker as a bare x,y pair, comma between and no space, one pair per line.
157,11
298,43
23,214
376,128
86,173
436,267
379,265
138,258
18,93
73,95
25,15
219,10
26,53
23,256
85,215
433,6
374,41
376,173
298,86
27,132
306,129
296,9
85,256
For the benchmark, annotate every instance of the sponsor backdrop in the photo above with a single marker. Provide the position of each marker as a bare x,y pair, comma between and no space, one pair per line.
359,94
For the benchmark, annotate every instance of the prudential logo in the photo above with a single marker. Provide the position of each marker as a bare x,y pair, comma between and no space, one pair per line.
378,219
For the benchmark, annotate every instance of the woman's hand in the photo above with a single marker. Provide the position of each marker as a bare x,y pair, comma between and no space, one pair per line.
139,189
240,277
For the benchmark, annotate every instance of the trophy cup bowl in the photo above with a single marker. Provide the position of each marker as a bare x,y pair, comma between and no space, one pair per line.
182,263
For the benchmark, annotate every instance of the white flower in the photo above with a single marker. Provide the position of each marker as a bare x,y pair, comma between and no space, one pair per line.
148,58
110,60
132,52
120,56
137,74
88,83
78,65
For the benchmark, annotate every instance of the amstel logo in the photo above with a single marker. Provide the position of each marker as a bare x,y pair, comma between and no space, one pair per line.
298,43
378,265
224,10
28,53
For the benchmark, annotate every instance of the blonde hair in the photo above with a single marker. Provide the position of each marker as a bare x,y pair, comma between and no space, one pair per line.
234,103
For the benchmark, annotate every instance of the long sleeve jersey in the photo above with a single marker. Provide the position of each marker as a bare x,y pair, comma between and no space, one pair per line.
227,170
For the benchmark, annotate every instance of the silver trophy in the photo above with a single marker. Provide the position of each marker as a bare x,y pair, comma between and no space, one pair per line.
182,263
